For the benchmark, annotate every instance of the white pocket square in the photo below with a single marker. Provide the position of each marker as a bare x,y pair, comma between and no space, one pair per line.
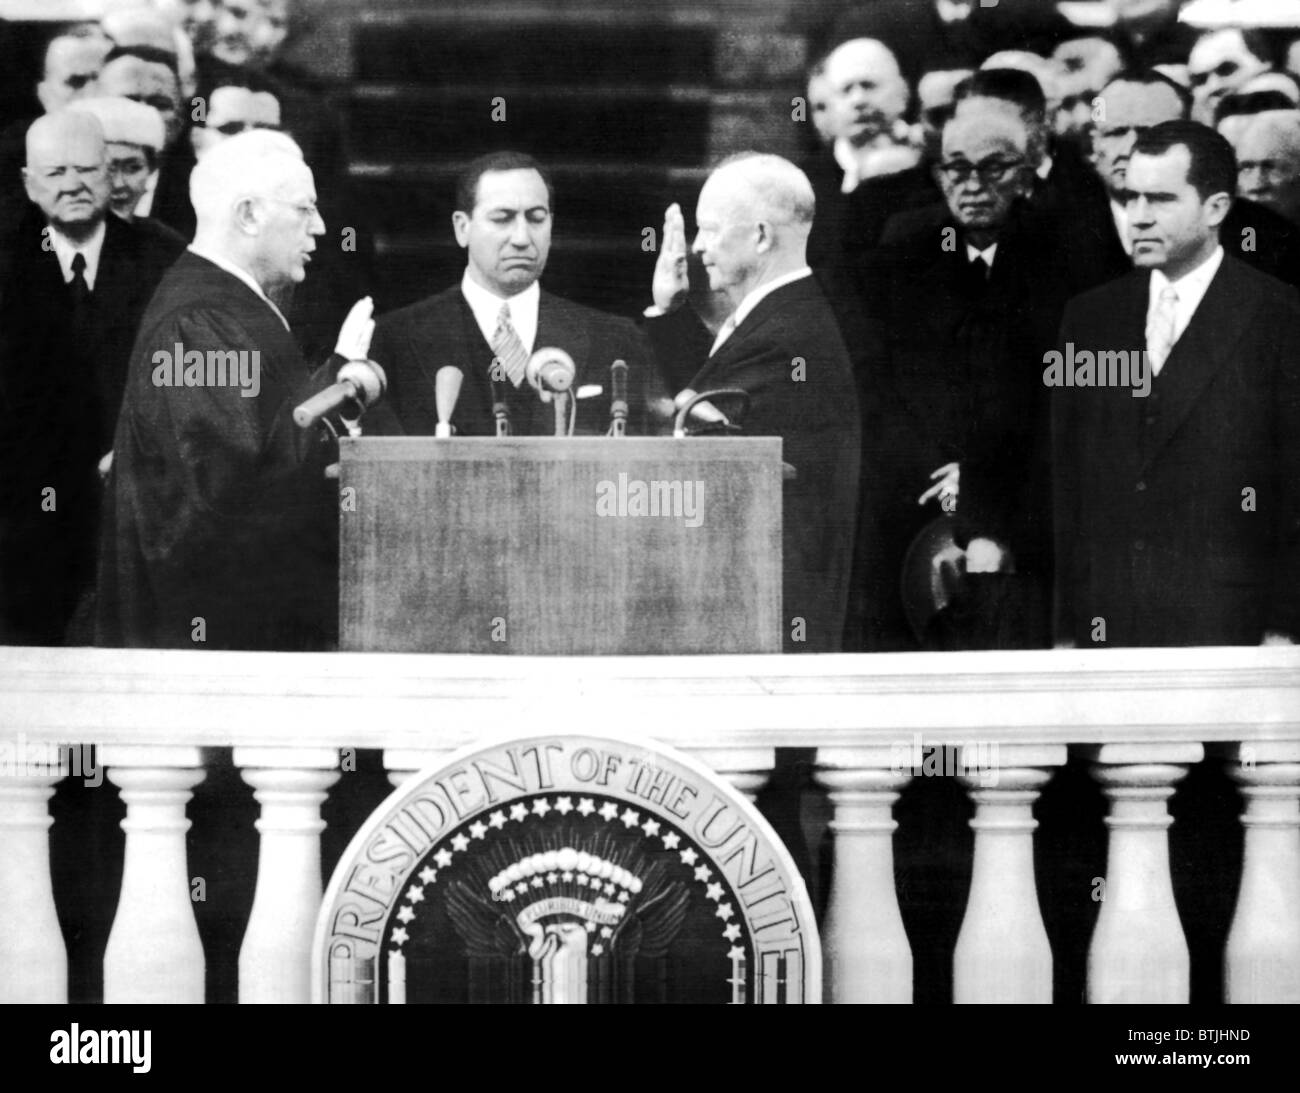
589,390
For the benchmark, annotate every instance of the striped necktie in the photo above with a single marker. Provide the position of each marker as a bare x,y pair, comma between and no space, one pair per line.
509,350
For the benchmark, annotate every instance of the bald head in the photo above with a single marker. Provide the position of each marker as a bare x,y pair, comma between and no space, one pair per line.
1268,162
71,67
754,215
867,91
255,203
65,174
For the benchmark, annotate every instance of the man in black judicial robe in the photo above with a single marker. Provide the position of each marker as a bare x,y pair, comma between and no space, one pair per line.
221,526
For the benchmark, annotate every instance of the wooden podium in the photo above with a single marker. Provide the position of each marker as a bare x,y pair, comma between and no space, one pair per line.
546,545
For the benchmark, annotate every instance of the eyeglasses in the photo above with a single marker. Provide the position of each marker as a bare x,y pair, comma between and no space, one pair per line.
306,209
958,172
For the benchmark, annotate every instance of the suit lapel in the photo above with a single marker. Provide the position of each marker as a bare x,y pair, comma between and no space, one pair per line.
1206,345
556,326
732,348
1121,414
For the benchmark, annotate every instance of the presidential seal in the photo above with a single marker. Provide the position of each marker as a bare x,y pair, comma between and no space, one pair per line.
566,869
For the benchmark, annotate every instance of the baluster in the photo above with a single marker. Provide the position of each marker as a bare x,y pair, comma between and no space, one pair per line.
1138,952
1002,952
867,957
748,769
290,784
33,958
401,763
154,953
1262,959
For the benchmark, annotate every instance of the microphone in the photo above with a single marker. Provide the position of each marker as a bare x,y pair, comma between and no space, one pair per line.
360,383
618,398
446,391
551,370
500,410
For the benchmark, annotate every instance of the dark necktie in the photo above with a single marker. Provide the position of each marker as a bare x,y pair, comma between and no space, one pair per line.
979,268
80,289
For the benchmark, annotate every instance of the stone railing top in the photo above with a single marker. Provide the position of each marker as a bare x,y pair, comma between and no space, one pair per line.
383,700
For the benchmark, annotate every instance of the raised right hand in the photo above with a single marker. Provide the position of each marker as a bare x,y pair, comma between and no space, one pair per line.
671,279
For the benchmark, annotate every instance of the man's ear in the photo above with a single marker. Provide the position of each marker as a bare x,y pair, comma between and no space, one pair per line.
28,184
1217,207
247,218
763,237
460,226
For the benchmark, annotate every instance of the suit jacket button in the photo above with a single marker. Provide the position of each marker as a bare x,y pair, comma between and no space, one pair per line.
1140,487
1139,544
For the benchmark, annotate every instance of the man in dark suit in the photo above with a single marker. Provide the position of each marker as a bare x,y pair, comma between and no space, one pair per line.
781,345
220,526
498,316
74,281
69,71
1096,238
964,304
1177,514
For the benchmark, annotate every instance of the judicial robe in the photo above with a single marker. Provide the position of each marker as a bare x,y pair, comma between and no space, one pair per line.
220,528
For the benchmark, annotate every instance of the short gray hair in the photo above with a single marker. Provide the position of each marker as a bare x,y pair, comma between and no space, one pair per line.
248,164
780,191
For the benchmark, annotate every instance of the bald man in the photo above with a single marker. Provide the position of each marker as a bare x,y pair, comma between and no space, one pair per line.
963,305
1268,162
220,526
782,346
74,281
70,70
866,99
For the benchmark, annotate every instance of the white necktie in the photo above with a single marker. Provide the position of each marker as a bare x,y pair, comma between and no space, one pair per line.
1160,328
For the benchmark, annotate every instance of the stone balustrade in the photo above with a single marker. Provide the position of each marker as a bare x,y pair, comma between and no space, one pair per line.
1141,718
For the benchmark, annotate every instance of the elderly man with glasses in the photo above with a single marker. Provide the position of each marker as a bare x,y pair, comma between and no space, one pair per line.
964,305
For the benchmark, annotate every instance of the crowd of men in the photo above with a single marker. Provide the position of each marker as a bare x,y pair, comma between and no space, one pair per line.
1025,319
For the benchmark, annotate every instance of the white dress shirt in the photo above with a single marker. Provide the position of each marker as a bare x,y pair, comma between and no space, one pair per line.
243,275
752,300
1191,288
486,307
65,250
